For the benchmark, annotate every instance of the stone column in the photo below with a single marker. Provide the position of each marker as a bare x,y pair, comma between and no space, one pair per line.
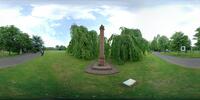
101,48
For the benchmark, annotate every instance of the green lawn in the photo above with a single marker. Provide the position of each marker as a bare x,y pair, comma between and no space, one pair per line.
59,75
195,54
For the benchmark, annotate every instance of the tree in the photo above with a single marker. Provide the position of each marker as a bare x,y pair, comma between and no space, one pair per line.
106,47
178,40
1,39
22,43
61,47
83,43
197,37
127,46
57,47
155,46
37,43
8,34
12,39
163,43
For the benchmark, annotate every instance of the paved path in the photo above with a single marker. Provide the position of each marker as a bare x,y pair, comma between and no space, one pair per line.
8,61
185,62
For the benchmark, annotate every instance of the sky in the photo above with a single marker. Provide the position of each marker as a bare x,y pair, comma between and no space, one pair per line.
51,19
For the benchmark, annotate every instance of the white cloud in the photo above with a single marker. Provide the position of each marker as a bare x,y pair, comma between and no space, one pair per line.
164,20
9,13
117,17
55,24
41,20
29,24
56,12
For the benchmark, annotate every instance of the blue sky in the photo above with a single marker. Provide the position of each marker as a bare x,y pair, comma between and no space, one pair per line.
51,19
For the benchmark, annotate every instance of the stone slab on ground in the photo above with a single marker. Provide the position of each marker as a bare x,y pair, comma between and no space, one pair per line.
129,82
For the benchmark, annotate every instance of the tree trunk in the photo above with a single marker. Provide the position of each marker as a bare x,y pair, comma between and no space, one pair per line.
9,51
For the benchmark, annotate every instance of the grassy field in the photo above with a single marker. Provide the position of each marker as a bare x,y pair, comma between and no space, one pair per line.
58,75
195,54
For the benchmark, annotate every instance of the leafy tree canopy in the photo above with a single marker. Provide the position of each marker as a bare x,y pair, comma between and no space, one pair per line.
163,43
178,39
37,43
197,37
61,47
128,46
83,43
12,39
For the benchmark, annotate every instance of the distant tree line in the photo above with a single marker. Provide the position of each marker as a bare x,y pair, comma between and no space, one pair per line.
57,47
60,47
178,39
12,39
128,46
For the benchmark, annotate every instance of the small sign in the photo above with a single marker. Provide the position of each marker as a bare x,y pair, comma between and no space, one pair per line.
183,48
129,82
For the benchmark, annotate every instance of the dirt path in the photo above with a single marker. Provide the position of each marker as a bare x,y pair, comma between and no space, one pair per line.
9,61
186,62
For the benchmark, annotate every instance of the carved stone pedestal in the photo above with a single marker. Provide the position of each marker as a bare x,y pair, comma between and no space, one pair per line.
107,69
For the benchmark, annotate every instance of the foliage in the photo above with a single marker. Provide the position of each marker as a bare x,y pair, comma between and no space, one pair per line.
154,44
106,48
128,46
197,37
83,43
163,43
12,39
37,43
50,48
8,34
22,42
61,47
178,40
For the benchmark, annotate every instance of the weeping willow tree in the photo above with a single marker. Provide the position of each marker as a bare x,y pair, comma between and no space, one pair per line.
83,43
128,46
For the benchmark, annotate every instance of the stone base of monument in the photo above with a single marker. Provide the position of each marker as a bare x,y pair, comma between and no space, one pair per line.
107,69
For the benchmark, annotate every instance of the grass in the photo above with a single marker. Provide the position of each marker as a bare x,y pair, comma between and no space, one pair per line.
58,75
6,54
194,54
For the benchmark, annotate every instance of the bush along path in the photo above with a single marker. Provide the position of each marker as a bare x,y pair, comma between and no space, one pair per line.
186,62
9,61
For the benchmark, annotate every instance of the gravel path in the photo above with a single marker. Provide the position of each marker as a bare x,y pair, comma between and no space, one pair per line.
9,61
185,62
